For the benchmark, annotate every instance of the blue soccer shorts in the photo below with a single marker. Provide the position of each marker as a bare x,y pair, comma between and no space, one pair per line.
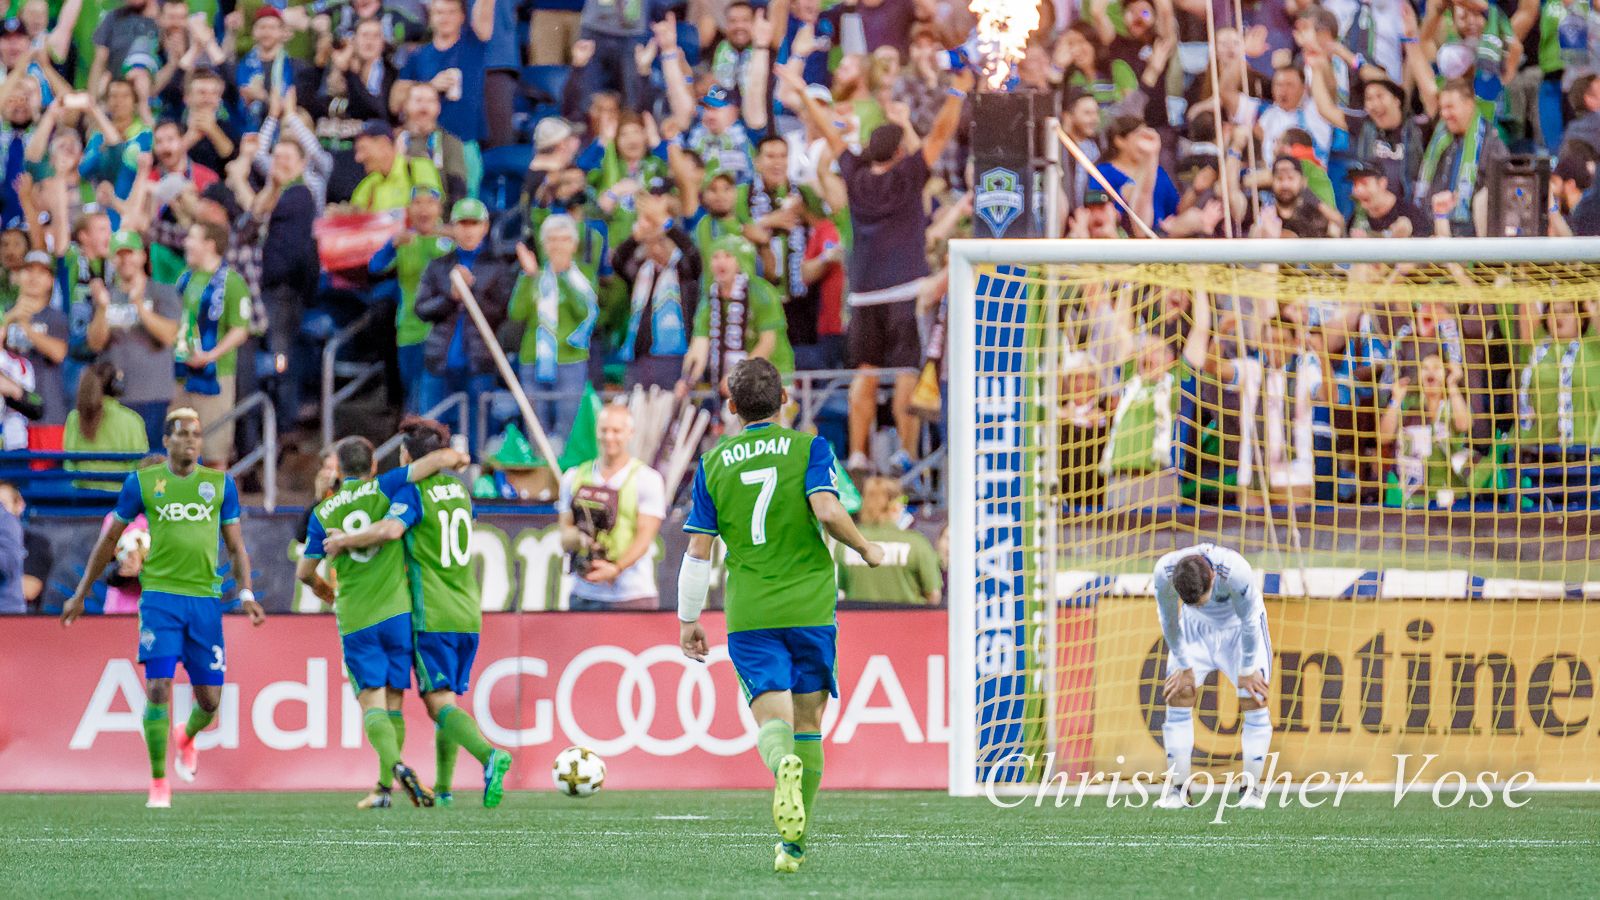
799,660
174,627
379,655
444,660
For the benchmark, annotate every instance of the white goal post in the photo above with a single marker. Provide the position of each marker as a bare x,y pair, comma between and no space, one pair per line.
1004,431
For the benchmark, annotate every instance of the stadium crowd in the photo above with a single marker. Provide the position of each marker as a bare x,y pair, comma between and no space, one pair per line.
641,193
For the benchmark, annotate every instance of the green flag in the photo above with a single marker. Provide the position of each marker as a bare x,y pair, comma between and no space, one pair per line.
583,444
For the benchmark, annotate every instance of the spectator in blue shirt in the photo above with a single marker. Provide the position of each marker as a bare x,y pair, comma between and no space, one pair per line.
455,64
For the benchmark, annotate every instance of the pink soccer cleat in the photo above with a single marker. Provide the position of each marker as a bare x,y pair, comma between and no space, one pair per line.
160,794
187,762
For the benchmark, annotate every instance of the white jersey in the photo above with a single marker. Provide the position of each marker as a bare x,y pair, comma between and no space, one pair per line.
1235,607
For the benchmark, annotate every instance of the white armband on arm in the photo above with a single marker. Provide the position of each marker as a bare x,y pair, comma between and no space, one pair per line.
694,580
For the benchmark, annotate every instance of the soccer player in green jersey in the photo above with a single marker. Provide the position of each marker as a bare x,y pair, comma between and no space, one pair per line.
434,516
180,613
372,604
765,492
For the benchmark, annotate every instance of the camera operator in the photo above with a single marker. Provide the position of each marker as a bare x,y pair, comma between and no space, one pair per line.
611,509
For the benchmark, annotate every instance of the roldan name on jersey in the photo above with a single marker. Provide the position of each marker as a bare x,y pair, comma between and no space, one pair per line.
742,452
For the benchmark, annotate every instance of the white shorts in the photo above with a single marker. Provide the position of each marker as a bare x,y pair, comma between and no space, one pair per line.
1212,649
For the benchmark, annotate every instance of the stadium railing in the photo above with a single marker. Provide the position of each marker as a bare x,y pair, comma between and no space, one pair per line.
266,454
459,400
358,373
48,487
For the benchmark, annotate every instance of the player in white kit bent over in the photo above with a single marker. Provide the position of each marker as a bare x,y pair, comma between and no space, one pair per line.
1213,619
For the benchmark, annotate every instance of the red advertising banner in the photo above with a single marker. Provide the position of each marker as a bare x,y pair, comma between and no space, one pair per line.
613,682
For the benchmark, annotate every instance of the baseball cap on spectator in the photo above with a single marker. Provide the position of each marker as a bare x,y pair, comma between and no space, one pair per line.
741,250
1364,170
268,12
716,98
715,172
469,210
884,141
1286,158
375,127
1095,196
1574,168
658,186
39,258
425,190
550,132
126,240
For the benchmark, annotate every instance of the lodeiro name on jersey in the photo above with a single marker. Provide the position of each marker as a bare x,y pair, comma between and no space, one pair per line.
744,451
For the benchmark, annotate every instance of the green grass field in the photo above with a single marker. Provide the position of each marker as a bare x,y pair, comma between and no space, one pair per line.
718,844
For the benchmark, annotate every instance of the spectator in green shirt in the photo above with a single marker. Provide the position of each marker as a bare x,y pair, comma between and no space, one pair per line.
559,304
910,570
391,173
216,320
404,258
100,424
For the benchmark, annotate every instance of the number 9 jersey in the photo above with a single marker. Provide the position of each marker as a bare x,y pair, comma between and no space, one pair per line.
753,491
437,513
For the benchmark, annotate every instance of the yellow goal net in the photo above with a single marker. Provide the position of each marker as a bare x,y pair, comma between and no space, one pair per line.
1401,437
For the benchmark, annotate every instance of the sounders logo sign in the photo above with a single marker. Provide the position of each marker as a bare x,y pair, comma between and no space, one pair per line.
999,200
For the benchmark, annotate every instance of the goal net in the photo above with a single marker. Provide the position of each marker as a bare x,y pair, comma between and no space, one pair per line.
1396,434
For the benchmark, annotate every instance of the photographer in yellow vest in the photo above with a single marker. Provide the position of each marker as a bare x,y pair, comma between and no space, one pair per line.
611,509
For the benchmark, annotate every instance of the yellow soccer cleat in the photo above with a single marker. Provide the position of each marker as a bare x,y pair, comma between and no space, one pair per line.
788,860
788,808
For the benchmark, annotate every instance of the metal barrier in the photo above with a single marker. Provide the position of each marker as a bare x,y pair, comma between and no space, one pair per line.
832,380
358,373
265,455
806,393
459,400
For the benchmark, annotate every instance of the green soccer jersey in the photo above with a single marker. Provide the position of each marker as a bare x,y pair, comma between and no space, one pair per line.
408,263
437,513
910,569
205,324
186,516
371,580
753,491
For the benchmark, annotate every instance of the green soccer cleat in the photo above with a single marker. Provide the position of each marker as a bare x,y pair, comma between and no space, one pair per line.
788,808
494,778
790,856
443,798
407,779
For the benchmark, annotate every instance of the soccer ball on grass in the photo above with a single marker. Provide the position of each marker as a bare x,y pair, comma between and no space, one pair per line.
578,772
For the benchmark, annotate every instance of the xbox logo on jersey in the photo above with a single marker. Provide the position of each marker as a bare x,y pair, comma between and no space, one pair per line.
184,512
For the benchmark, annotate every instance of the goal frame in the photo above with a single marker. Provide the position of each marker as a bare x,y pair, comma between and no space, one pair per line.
965,254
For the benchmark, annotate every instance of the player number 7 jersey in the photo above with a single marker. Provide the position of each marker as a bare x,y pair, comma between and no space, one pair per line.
753,491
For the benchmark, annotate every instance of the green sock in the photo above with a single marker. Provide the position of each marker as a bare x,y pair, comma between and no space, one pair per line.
198,720
157,720
808,746
381,735
775,740
461,729
398,720
447,750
